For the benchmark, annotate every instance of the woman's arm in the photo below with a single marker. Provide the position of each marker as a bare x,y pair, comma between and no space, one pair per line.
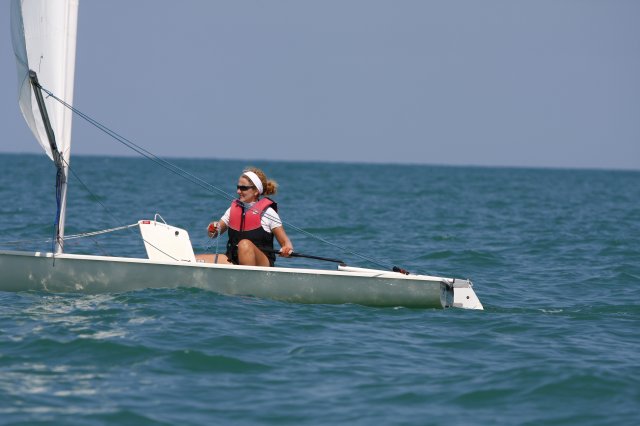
286,248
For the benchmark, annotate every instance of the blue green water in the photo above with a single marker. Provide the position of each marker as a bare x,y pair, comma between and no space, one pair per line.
554,256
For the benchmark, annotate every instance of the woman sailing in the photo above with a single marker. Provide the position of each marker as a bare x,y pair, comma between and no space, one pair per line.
251,222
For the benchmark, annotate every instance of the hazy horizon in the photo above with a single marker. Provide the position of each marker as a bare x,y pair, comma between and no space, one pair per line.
498,84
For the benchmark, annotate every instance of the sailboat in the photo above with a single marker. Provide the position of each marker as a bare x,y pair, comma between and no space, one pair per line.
44,40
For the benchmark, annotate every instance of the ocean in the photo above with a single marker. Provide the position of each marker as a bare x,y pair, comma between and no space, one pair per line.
554,256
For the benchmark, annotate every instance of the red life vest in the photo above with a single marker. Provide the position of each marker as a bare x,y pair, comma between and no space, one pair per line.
245,223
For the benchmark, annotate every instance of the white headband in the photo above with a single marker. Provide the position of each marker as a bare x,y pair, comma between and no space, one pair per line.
255,179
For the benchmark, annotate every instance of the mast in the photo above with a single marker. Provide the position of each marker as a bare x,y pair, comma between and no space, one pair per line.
43,35
58,159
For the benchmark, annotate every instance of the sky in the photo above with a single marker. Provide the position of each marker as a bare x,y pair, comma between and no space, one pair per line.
544,83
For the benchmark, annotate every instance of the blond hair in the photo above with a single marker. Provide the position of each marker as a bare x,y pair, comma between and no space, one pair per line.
270,187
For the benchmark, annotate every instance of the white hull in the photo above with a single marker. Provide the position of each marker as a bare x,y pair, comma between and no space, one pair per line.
23,271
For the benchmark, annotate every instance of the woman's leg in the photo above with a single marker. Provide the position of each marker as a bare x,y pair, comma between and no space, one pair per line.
249,254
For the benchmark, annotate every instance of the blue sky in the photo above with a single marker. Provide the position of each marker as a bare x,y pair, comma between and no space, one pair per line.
545,83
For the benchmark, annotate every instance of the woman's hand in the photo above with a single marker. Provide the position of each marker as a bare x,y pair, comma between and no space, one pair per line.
286,250
212,229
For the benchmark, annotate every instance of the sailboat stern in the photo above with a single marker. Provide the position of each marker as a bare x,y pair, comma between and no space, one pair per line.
463,295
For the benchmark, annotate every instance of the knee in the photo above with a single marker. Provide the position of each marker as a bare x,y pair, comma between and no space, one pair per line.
244,245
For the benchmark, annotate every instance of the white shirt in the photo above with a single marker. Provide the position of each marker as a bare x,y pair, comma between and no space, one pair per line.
269,220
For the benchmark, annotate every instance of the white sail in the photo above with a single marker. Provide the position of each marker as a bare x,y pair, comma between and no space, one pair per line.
43,33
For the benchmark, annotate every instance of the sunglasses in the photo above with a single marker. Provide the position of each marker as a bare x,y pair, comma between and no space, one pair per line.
244,187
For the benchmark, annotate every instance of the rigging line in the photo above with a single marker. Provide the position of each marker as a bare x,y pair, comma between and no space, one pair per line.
94,196
74,236
190,177
94,233
88,234
94,241
344,249
142,151
113,216
97,244
316,237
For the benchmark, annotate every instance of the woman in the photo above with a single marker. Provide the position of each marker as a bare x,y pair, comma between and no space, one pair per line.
252,223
